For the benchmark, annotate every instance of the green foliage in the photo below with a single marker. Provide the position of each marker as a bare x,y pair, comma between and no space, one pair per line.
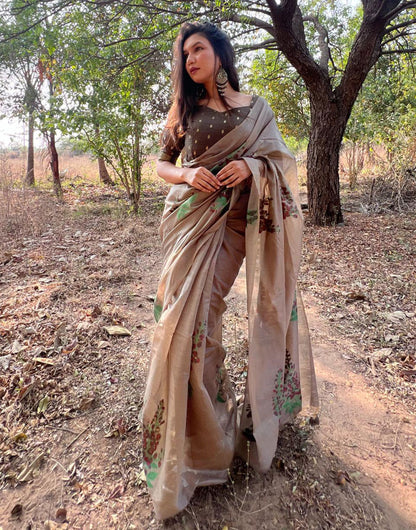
341,23
276,80
386,106
19,60
110,91
108,73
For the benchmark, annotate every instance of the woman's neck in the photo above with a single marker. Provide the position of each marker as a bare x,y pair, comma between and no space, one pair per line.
214,100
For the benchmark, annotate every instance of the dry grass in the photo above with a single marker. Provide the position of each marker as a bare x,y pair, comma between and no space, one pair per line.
26,212
71,167
23,212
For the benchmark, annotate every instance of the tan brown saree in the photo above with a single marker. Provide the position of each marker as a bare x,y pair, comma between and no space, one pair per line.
190,417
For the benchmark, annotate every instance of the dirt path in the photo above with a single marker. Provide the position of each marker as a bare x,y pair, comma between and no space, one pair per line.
355,470
368,431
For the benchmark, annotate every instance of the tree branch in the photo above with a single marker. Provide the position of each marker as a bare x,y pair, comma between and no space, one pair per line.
385,5
396,37
399,51
269,44
149,37
244,19
322,40
36,23
291,40
401,25
399,9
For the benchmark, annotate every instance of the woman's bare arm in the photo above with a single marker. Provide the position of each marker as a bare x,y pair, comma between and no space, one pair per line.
198,177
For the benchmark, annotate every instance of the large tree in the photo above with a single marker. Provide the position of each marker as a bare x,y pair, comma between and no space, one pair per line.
332,92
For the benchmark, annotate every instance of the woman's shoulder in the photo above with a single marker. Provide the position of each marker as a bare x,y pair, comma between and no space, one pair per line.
243,100
251,99
263,103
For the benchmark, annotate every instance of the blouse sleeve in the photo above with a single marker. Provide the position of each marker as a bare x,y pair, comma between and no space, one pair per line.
169,149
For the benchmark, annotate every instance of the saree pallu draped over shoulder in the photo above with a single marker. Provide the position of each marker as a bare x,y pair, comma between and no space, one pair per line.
190,415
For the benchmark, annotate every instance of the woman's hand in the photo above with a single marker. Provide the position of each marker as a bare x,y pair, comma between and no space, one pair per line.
201,179
233,173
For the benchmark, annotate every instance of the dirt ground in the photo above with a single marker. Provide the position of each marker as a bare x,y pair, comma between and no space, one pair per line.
71,392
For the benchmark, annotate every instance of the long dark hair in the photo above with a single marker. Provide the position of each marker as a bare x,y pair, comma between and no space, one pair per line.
187,93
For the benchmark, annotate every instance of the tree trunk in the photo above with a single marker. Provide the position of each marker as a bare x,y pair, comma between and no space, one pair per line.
30,170
103,172
137,168
327,129
55,166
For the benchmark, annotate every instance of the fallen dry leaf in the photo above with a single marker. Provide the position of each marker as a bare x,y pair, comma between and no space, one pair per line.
70,348
355,296
96,312
44,360
17,510
29,470
19,436
119,428
342,478
26,387
87,403
43,404
117,330
52,525
60,515
117,491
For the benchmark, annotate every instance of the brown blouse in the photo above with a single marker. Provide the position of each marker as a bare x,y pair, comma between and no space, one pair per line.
206,127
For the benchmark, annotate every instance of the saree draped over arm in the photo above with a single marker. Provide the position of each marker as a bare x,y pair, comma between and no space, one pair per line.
190,415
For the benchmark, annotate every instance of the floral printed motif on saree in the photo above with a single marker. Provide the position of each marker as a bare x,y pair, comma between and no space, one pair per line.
151,438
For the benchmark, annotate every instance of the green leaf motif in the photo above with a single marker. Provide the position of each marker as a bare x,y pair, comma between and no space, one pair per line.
185,207
157,310
287,394
294,313
252,216
293,406
220,202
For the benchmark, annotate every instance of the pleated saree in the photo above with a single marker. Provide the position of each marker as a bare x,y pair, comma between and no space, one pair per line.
190,423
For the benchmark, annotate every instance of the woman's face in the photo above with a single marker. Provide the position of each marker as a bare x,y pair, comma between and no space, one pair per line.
201,63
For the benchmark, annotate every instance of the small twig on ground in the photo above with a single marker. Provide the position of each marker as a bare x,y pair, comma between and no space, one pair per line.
53,427
58,463
247,476
259,510
76,437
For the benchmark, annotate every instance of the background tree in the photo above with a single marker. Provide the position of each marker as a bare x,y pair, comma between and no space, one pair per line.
382,127
272,77
333,87
28,58
111,92
19,60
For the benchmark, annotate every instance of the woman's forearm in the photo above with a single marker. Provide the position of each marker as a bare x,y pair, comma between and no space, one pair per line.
198,177
170,173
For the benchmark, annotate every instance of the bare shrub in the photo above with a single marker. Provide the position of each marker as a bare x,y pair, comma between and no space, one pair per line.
353,161
394,188
24,212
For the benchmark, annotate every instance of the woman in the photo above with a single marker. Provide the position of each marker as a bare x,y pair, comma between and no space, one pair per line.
231,199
